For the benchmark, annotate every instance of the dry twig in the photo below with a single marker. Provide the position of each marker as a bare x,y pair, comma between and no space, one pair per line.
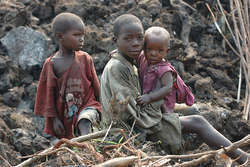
241,37
78,139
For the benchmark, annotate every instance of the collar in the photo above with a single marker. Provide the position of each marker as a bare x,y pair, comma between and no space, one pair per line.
123,60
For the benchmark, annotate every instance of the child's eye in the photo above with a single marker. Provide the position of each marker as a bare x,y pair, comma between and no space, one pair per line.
140,37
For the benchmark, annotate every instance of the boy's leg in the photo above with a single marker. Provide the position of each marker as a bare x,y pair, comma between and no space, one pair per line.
198,124
84,127
184,109
169,133
87,118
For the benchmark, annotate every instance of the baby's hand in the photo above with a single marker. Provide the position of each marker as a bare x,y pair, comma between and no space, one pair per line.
58,127
144,99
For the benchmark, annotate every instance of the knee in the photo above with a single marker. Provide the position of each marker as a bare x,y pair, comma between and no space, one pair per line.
84,127
199,120
84,123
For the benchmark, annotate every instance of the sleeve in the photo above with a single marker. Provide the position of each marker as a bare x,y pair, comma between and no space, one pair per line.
124,94
121,83
45,95
140,58
95,81
163,69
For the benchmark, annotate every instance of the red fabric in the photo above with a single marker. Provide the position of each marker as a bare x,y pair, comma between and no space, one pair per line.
149,74
148,79
80,80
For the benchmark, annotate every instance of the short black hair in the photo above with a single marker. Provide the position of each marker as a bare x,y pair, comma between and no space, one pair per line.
64,21
123,20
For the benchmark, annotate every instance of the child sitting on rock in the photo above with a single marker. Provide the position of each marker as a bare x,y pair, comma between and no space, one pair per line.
158,79
68,89
120,81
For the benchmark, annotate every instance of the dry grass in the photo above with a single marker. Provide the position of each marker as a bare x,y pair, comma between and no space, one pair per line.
240,32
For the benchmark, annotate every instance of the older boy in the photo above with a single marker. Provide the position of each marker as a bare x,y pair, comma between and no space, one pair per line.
120,79
68,88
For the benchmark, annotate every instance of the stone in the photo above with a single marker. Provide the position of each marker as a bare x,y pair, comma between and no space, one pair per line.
203,87
26,47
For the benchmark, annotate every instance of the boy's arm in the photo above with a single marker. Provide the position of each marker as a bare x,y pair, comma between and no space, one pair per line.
45,104
45,95
119,84
95,81
166,82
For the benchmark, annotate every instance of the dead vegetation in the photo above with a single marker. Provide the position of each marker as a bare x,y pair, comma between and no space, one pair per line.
240,33
89,151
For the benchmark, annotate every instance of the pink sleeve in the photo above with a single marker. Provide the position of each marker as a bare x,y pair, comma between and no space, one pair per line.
140,58
162,69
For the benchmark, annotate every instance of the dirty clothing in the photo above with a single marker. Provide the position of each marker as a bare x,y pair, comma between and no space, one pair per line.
91,114
150,74
119,89
66,96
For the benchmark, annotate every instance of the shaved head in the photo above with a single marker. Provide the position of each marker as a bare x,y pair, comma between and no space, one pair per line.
159,32
125,19
64,22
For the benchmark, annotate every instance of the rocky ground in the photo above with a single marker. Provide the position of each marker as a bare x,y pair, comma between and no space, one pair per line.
205,63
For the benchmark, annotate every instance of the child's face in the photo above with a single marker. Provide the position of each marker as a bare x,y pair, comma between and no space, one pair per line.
156,48
130,40
73,39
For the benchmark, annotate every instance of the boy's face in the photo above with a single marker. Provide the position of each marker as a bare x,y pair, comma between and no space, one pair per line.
156,48
73,39
130,40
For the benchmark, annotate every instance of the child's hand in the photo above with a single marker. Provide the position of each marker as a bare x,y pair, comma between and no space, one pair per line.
144,99
58,127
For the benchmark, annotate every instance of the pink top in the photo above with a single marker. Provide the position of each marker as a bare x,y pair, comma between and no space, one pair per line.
150,74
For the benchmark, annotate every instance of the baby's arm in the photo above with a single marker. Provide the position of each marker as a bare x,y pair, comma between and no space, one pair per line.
166,82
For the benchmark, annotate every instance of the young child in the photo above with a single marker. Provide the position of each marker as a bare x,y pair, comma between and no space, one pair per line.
68,88
120,79
155,71
153,68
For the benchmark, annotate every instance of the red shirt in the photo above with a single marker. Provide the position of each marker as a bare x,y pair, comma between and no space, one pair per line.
79,80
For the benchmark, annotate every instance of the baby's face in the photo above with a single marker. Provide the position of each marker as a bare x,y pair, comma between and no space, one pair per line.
156,48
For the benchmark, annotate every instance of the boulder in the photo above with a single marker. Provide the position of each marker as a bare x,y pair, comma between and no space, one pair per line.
26,47
27,142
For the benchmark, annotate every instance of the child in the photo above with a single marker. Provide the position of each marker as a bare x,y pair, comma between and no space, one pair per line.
154,67
120,79
68,88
